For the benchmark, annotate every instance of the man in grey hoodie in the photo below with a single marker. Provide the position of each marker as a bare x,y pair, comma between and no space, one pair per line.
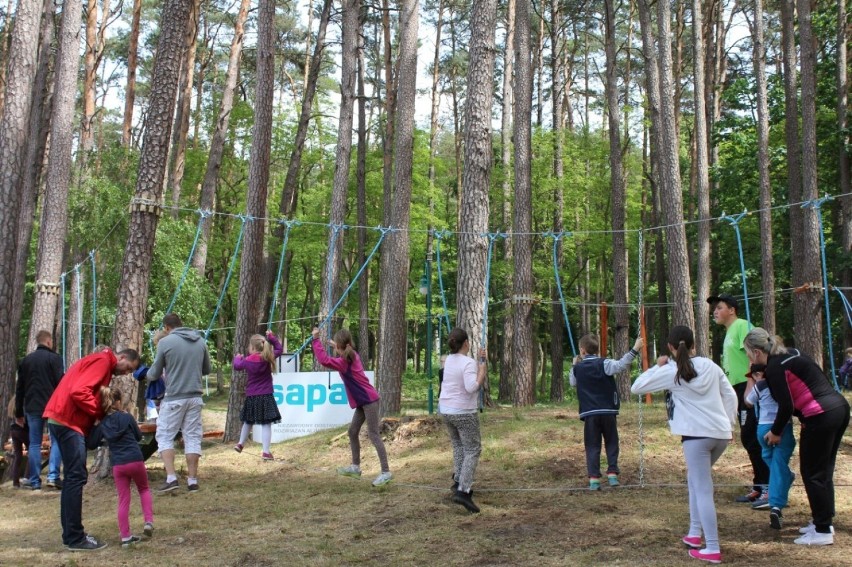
182,355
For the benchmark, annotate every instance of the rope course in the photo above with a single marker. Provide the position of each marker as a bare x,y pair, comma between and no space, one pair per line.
329,270
288,224
64,322
734,221
94,299
439,234
202,216
79,293
556,238
244,219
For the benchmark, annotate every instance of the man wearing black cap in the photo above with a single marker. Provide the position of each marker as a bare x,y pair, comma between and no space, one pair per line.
736,366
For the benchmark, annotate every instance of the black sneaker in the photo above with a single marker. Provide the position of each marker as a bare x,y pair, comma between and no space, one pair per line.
775,518
464,498
88,543
168,486
57,484
130,541
192,487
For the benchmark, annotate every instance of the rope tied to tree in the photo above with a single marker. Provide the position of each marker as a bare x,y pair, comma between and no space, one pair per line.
288,224
847,306
439,234
557,236
734,221
244,219
492,236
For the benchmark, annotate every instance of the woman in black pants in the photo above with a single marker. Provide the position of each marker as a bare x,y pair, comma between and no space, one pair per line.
800,387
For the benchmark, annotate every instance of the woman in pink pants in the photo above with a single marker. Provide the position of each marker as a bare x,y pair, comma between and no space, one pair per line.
122,436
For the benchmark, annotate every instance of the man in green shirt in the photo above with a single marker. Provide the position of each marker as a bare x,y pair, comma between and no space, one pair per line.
736,366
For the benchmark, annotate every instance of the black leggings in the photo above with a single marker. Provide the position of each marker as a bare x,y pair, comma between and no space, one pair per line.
748,437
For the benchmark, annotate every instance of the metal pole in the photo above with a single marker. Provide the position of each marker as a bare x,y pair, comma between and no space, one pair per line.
429,337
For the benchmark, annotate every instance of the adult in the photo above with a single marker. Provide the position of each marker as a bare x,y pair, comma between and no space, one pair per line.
458,401
183,355
702,410
71,413
736,366
802,389
38,375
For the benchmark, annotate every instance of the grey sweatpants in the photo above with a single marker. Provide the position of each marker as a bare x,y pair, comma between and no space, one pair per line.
370,414
700,454
463,429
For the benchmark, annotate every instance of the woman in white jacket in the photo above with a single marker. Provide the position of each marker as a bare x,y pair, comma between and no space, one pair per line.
702,409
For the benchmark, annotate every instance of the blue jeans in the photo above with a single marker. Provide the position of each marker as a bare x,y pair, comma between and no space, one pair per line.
72,446
36,424
778,460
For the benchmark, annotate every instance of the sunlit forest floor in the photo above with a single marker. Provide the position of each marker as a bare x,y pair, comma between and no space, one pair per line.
531,486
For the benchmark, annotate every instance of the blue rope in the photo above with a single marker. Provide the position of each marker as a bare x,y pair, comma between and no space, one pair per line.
329,270
492,236
734,220
288,224
79,314
556,237
94,300
328,317
817,204
202,215
236,253
64,322
847,306
439,234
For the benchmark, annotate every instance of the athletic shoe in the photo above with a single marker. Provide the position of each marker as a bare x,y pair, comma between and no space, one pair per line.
812,528
148,530
815,538
238,447
89,543
267,457
57,484
750,497
192,487
761,503
168,486
594,484
35,487
353,471
130,541
708,557
612,479
692,541
775,518
383,478
25,481
464,498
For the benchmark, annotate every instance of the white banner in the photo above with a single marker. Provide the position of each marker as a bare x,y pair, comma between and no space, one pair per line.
308,402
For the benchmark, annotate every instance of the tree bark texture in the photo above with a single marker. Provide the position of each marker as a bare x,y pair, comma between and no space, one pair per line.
21,70
251,262
393,281
130,88
557,332
476,177
54,219
145,207
363,340
845,175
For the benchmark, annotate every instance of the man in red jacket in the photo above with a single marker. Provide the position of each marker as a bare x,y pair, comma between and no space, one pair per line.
71,412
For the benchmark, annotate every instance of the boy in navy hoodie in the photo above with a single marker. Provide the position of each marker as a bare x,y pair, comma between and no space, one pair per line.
594,378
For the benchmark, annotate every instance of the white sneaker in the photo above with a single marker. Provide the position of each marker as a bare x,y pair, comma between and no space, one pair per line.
815,538
812,528
352,470
383,478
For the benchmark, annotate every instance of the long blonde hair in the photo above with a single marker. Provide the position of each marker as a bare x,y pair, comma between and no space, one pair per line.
262,347
109,397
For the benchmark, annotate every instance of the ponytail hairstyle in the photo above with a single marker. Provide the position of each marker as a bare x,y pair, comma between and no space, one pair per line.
109,396
682,341
456,339
343,342
759,339
262,347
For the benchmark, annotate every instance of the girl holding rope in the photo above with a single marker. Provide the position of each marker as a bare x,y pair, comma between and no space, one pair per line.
260,406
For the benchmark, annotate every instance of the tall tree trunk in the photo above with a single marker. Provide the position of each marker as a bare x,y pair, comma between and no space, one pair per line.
217,143
506,383
766,248
181,128
702,185
845,175
363,340
21,69
54,220
251,262
476,178
523,368
87,134
393,280
670,190
618,192
4,50
145,207
807,306
390,109
130,89
557,354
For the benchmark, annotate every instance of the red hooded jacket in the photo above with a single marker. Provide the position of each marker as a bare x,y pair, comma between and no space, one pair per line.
76,402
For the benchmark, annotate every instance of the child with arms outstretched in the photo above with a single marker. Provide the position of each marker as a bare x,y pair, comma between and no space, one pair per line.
260,406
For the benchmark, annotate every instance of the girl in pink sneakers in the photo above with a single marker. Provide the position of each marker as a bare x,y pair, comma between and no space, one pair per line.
702,409
260,406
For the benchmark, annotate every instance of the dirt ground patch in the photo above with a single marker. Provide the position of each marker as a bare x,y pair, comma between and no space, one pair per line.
531,486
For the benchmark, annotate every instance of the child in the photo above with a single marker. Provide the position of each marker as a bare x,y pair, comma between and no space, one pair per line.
594,378
260,406
20,438
702,410
362,396
122,436
846,371
777,456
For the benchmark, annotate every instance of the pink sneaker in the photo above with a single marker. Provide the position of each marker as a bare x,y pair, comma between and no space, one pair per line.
708,557
267,457
238,447
692,541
